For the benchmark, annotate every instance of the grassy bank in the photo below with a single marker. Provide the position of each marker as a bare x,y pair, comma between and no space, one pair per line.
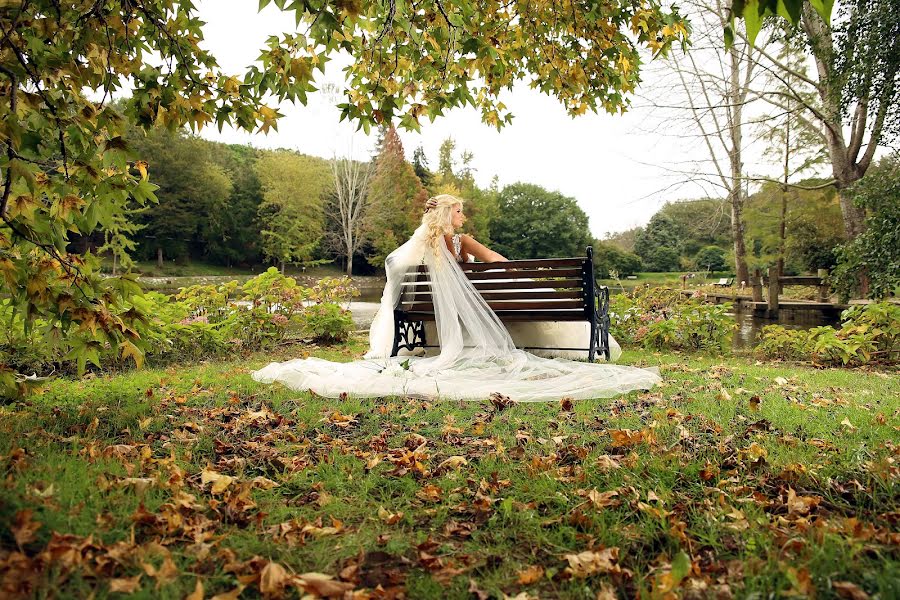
733,479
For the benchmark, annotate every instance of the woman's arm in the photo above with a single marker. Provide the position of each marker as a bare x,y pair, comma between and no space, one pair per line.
471,246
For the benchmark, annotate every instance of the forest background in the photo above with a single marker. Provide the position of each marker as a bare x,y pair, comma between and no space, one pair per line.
233,205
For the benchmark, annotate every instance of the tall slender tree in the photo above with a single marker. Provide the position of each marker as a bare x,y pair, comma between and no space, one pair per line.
349,207
397,199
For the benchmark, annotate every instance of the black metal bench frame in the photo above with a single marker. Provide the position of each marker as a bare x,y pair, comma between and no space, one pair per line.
409,325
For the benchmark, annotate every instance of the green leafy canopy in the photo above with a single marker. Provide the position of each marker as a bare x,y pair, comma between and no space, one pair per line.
754,12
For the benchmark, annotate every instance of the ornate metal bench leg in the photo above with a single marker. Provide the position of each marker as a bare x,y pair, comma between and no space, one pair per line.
407,334
600,332
592,352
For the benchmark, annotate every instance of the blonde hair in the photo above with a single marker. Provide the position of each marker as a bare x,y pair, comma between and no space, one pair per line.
439,220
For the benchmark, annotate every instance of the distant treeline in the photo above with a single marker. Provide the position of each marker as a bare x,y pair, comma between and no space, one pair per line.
695,235
234,205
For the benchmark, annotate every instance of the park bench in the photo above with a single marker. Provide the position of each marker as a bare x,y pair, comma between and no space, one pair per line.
724,282
548,289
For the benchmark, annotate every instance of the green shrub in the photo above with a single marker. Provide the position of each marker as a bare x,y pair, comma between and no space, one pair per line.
327,322
660,318
868,334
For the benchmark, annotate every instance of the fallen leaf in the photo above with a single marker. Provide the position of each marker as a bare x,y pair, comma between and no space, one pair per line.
754,402
531,575
323,586
454,462
389,517
125,585
567,404
589,562
273,579
197,594
845,589
24,527
848,425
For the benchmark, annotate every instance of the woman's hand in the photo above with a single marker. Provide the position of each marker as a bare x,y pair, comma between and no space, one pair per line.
432,203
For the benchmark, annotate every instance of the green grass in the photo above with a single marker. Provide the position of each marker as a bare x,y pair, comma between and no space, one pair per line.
706,478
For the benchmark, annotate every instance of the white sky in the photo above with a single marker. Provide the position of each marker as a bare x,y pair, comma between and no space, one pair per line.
613,165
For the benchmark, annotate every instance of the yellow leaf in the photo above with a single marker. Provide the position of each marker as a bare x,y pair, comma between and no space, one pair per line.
197,594
129,349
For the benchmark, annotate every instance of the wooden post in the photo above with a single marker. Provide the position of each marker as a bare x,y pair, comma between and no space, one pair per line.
756,284
772,311
823,287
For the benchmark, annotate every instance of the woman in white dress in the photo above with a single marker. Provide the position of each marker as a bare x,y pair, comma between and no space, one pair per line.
476,354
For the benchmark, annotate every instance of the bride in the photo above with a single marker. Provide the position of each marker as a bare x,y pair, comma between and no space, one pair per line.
476,357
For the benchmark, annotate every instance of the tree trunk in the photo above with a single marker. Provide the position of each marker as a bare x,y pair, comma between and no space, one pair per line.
349,264
282,267
737,232
735,95
159,257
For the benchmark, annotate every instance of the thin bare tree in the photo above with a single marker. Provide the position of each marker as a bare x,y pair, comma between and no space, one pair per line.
350,206
716,84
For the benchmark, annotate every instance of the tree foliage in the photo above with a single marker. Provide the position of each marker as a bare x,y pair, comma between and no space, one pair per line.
659,244
533,222
610,260
876,250
193,191
397,199
419,60
754,13
291,215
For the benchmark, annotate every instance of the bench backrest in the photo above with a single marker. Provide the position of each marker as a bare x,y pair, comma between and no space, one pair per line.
548,289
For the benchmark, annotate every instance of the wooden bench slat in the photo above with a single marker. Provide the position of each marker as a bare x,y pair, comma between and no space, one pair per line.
524,264
425,296
523,274
507,285
537,315
495,306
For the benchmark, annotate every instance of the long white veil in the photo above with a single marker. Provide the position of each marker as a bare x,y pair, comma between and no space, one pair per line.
477,355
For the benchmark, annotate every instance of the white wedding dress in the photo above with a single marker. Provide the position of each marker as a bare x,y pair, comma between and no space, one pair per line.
477,355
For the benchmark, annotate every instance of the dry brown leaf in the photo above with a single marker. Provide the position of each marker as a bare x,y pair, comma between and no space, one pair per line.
606,592
323,586
125,585
589,562
800,505
232,595
845,589
625,437
197,594
24,527
531,575
273,579
454,462
388,517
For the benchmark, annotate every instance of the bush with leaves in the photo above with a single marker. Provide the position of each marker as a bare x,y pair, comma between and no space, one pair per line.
868,334
659,318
